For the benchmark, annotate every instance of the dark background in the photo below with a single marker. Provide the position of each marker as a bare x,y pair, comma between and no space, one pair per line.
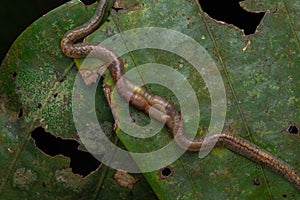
17,15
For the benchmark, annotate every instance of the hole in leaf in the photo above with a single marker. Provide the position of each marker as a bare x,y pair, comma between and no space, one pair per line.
292,129
14,75
165,173
60,77
230,12
20,114
256,181
81,162
88,2
39,105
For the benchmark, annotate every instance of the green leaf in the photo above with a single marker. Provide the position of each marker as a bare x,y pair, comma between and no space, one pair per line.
262,96
34,93
262,99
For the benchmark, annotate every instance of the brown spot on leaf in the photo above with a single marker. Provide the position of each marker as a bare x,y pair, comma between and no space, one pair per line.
124,179
10,150
125,6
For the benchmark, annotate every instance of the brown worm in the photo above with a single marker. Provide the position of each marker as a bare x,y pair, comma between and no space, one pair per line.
160,108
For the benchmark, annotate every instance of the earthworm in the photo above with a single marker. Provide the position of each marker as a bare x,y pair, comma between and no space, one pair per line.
162,109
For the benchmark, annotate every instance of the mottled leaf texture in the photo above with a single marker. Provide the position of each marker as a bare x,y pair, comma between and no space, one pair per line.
262,88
